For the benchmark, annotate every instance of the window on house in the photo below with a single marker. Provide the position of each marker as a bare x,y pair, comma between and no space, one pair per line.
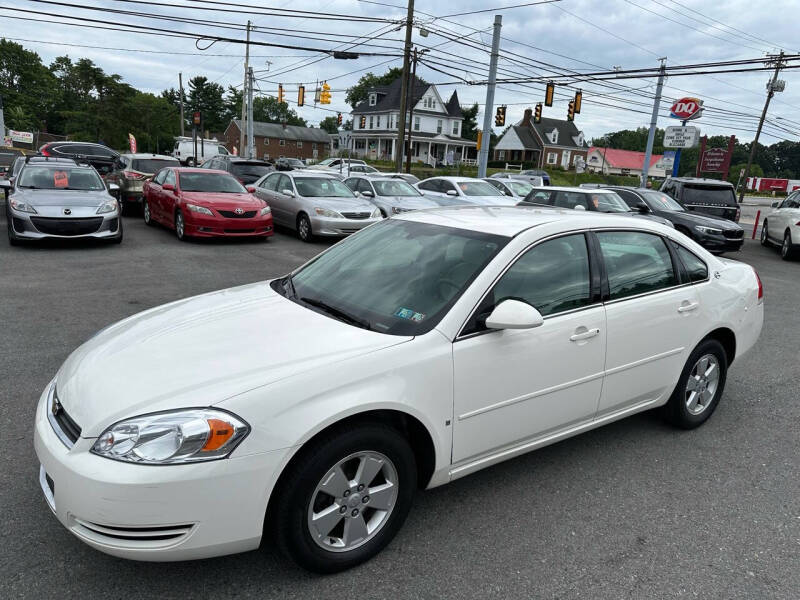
416,123
314,145
455,127
282,143
373,99
552,158
371,122
379,121
266,141
501,155
439,126
299,143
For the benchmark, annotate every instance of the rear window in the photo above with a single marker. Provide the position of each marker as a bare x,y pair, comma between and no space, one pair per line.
708,194
152,165
478,188
254,170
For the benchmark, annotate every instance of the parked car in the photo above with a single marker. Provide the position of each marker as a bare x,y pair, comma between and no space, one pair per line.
712,233
391,196
7,158
515,188
710,196
101,157
289,164
315,204
11,173
131,173
537,173
246,170
537,180
59,198
594,200
199,203
184,150
407,177
306,411
452,191
333,163
783,226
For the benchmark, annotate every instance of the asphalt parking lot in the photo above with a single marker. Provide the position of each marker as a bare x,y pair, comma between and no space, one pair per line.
632,510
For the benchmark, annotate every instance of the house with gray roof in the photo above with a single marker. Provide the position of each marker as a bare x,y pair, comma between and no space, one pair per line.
276,140
435,124
549,143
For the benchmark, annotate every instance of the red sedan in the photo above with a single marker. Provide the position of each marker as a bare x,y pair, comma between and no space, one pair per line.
204,203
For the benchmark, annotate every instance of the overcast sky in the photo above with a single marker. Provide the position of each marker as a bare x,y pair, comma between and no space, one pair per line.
571,35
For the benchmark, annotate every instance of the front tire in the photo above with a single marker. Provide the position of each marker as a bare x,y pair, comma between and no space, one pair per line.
700,386
180,227
345,498
146,214
304,231
765,235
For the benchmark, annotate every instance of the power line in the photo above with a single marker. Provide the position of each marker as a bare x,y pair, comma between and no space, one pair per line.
498,8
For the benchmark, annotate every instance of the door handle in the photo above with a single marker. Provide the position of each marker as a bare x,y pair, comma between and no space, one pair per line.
688,306
585,335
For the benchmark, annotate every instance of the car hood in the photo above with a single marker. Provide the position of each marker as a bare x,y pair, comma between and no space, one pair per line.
91,199
223,201
201,351
693,218
412,202
339,204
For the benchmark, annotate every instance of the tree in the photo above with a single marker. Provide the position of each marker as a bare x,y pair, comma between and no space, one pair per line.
358,92
268,110
329,124
26,85
469,126
207,97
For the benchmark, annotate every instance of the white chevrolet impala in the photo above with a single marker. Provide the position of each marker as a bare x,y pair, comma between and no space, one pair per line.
306,411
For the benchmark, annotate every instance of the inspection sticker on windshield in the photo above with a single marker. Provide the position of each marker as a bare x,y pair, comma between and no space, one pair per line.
407,313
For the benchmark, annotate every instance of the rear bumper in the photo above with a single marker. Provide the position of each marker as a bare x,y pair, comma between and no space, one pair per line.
205,226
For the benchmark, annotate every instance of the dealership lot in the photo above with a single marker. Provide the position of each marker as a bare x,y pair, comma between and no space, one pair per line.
636,509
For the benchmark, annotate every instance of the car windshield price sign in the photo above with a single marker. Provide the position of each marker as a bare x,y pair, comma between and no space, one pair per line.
681,137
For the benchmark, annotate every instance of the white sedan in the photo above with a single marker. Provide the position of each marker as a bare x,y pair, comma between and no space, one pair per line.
306,411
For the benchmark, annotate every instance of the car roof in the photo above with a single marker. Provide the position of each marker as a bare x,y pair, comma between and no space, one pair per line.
318,174
511,220
557,188
455,178
146,155
703,180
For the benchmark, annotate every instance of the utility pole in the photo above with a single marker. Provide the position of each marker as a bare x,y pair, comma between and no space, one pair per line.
250,139
401,124
483,155
653,122
244,90
411,110
180,91
770,93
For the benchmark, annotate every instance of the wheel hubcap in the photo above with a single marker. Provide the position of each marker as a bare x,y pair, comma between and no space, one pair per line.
702,384
179,225
353,501
304,227
785,247
146,210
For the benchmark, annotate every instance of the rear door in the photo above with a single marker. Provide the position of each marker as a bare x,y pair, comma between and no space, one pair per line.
154,193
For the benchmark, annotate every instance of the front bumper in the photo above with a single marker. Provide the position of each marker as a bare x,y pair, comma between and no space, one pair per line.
719,243
41,226
154,513
198,225
339,227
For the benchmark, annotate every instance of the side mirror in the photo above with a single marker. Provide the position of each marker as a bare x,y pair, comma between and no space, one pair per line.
579,207
168,187
642,207
775,204
251,189
514,314
113,187
368,194
289,193
452,193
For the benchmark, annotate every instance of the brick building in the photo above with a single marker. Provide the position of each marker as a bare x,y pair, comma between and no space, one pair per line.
550,143
274,140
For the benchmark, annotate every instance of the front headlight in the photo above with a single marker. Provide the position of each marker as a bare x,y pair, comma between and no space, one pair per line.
376,214
710,230
107,207
325,212
396,210
21,206
174,437
199,209
266,210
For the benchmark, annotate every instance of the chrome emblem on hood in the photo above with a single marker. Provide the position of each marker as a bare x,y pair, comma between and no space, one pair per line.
239,211
67,211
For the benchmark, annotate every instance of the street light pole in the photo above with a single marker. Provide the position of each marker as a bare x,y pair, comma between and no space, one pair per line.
401,124
242,129
653,122
483,155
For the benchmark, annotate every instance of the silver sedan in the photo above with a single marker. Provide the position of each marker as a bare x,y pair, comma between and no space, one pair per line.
315,204
515,188
392,196
57,198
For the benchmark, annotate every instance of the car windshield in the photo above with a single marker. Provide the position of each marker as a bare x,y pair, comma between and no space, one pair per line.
478,188
294,162
152,165
325,162
396,277
315,187
708,194
660,201
60,177
250,170
520,188
396,187
608,202
210,182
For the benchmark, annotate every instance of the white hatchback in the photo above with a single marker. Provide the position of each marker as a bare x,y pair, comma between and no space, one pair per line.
307,410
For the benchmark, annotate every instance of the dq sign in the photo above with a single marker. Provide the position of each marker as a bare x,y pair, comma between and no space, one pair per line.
686,109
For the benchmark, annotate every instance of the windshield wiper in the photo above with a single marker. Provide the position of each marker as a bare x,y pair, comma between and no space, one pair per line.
337,313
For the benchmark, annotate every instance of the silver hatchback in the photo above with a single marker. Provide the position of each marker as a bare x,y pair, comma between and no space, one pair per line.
315,204
57,198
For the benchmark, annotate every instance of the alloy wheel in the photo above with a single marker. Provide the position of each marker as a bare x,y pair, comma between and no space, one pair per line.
702,384
304,228
180,226
146,212
786,246
353,501
764,236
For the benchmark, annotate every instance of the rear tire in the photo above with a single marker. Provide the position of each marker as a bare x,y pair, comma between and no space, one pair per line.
765,235
327,533
788,251
700,386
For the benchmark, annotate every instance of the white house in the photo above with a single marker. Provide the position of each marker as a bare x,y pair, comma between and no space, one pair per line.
435,124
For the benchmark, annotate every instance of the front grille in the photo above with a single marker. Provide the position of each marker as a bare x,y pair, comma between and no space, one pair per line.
67,227
248,214
356,215
240,231
67,430
734,234
133,536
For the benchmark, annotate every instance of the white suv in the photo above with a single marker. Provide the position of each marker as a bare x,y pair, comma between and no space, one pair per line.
783,226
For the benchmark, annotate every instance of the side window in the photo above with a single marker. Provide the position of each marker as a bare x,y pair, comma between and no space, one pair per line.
364,186
540,197
570,200
352,183
636,263
445,186
159,179
793,201
285,183
630,198
170,178
430,186
271,182
695,267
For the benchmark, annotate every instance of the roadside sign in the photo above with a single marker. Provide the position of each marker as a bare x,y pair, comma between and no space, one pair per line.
132,143
686,109
580,165
24,137
669,160
7,141
196,117
713,160
681,137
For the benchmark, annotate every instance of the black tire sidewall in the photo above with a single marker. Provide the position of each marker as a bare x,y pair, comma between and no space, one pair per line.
676,410
149,211
310,236
182,237
764,234
289,514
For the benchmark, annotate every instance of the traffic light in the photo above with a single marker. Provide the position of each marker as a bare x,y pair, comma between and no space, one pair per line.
301,95
480,138
280,92
500,116
325,95
362,124
338,118
549,93
571,111
537,114
578,98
